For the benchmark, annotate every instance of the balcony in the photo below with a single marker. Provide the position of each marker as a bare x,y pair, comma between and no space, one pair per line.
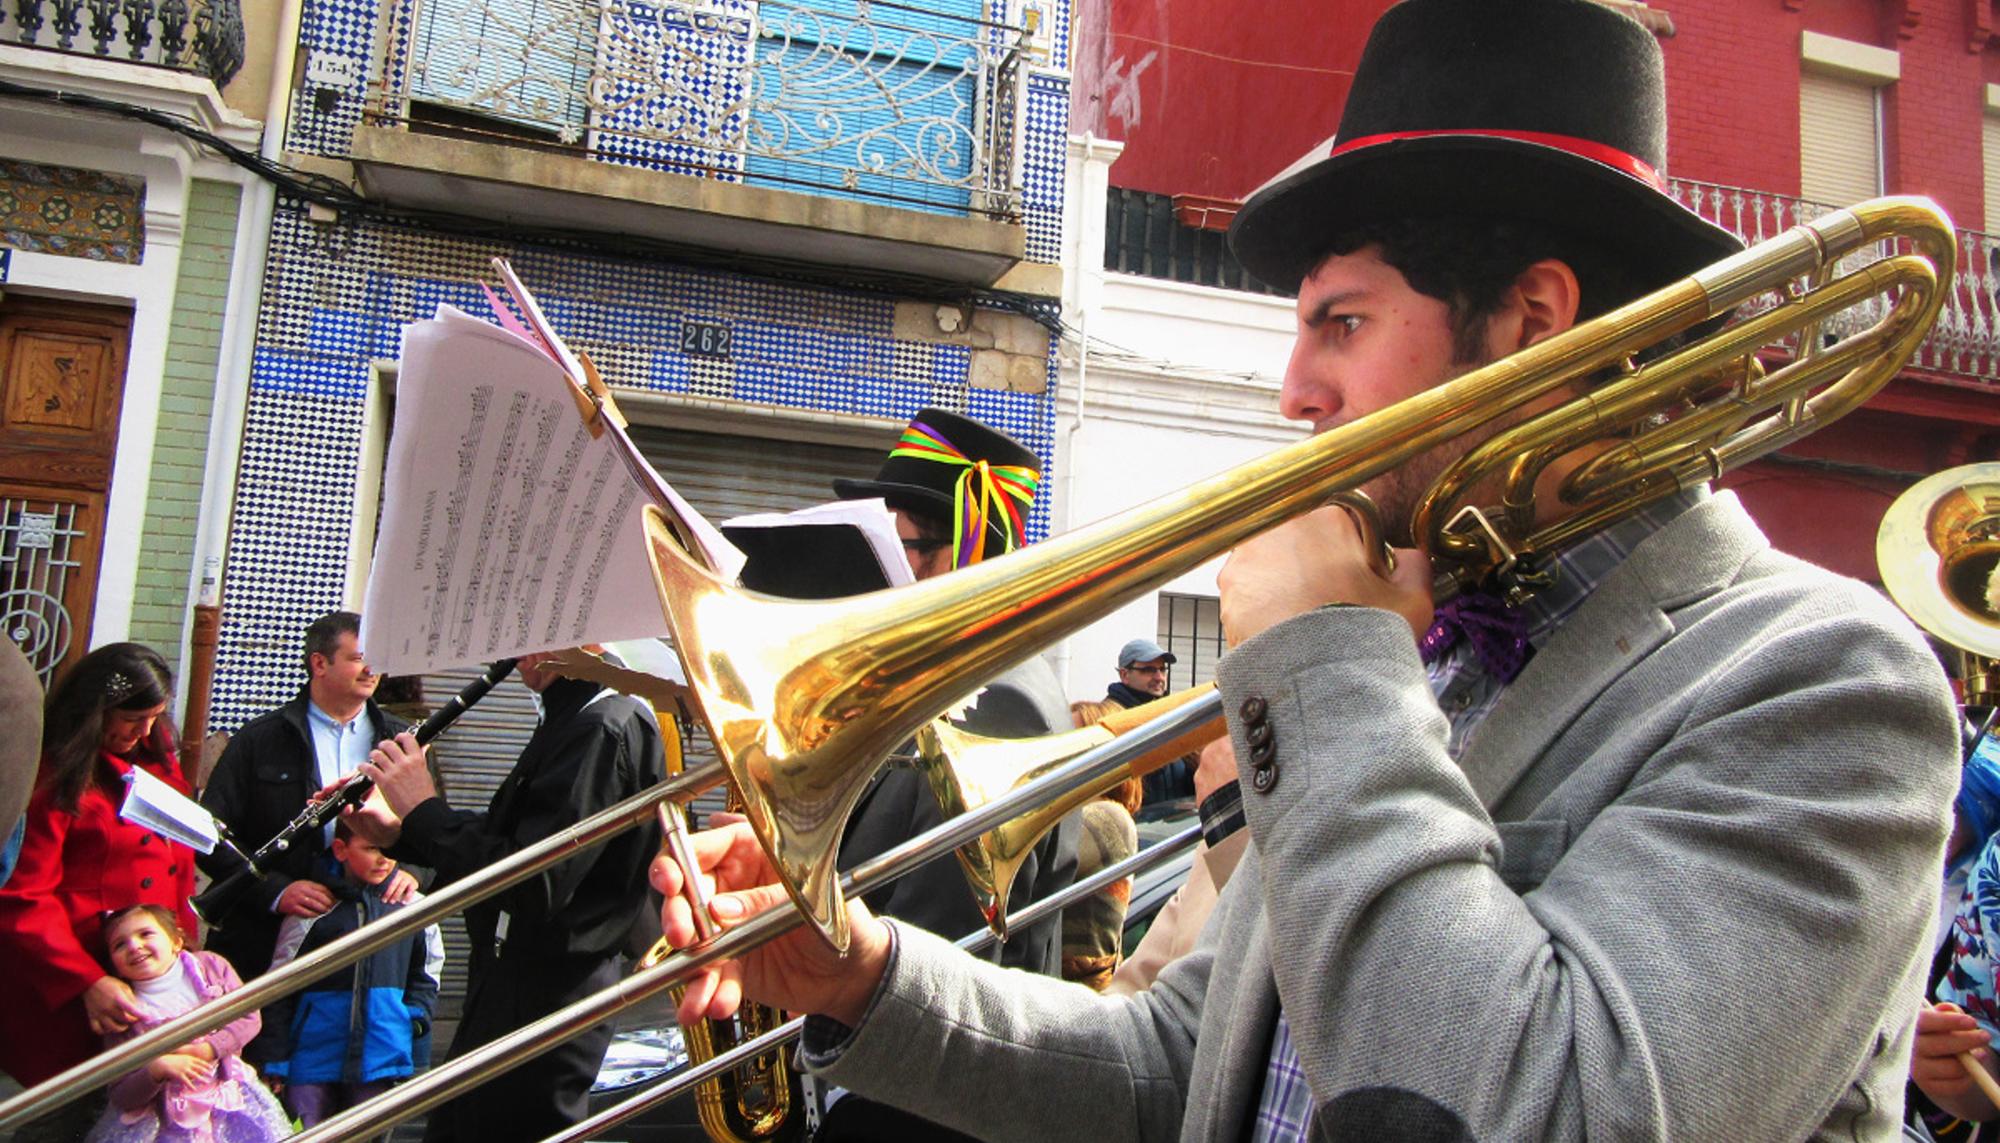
1145,236
201,37
1963,347
861,132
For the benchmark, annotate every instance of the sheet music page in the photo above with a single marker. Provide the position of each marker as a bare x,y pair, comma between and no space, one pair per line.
507,528
152,804
722,557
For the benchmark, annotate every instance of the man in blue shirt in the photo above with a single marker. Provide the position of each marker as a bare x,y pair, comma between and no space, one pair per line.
272,766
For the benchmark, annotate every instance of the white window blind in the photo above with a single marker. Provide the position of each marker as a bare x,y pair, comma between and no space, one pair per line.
1839,160
1990,139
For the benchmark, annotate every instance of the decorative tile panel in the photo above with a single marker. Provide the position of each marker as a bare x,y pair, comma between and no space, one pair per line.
1046,148
288,536
72,212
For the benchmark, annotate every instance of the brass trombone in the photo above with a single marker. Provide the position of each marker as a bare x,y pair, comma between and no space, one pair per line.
806,698
803,700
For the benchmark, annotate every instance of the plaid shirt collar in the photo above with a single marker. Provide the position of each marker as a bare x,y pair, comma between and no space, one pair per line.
1464,689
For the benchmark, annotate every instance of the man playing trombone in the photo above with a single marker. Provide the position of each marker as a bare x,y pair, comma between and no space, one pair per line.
1650,855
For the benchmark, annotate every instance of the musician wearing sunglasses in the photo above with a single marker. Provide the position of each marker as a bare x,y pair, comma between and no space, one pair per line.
960,491
1649,855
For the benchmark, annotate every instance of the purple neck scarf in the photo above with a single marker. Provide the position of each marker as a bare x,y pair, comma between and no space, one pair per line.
1498,633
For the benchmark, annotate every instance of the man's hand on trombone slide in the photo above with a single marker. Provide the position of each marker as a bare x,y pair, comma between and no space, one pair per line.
798,971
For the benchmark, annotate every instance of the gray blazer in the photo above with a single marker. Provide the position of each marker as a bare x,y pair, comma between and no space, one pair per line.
1681,888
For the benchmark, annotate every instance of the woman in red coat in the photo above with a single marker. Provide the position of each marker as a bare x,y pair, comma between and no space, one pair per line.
105,716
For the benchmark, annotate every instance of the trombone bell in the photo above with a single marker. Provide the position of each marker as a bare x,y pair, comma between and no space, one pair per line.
967,771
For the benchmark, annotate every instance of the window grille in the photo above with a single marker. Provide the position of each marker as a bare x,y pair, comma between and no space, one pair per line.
1191,630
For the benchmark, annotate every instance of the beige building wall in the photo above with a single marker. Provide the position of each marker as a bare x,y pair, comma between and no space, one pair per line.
250,90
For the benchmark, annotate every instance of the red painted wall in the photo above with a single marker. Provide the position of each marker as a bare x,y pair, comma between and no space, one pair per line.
1733,94
1212,97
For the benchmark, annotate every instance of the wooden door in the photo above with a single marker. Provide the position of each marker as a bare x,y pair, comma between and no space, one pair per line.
62,383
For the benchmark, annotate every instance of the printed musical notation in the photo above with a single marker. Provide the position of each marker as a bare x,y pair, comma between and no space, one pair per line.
508,526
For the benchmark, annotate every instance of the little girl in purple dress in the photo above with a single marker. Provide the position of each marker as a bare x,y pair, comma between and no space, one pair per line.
202,1092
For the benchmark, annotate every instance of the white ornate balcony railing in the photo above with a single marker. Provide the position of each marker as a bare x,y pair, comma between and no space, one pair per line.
1965,343
913,104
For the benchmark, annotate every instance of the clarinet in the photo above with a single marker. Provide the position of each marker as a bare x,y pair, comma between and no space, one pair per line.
216,901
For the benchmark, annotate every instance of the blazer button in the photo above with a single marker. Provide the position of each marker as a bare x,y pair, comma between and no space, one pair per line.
1264,777
1253,709
1264,753
147,840
145,883
1258,735
173,869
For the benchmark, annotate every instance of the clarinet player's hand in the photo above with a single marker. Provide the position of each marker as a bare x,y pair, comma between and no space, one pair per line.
798,971
401,774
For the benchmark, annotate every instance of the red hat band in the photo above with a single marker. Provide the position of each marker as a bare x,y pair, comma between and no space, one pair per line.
1621,161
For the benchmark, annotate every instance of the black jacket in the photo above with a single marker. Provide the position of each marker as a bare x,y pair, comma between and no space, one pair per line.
260,784
1023,703
588,753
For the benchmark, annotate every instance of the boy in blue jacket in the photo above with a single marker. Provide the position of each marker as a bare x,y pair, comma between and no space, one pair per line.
354,1033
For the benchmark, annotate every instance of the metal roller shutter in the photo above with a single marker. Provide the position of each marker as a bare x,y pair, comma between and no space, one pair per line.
722,476
1839,159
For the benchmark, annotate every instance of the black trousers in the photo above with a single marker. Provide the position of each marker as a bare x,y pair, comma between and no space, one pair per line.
542,1095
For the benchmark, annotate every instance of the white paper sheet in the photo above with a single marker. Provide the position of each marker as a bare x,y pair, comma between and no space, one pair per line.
154,805
506,527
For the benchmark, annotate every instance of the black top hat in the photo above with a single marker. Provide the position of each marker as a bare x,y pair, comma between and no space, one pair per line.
952,468
1548,111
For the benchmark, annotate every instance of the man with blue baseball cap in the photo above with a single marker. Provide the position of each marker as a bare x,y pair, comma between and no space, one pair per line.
1142,673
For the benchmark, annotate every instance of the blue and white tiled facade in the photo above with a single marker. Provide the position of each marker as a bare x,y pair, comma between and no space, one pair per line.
337,295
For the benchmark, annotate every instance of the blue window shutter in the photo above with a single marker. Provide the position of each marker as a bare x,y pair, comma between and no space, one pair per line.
887,83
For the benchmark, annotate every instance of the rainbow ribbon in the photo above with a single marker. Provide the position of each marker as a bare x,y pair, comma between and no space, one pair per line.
986,495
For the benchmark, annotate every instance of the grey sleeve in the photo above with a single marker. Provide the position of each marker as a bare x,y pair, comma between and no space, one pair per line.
1100,1069
1772,857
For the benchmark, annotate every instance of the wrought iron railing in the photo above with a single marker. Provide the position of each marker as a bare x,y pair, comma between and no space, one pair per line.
917,104
1965,343
200,36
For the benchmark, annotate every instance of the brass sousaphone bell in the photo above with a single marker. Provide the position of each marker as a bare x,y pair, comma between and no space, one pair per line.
1939,553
